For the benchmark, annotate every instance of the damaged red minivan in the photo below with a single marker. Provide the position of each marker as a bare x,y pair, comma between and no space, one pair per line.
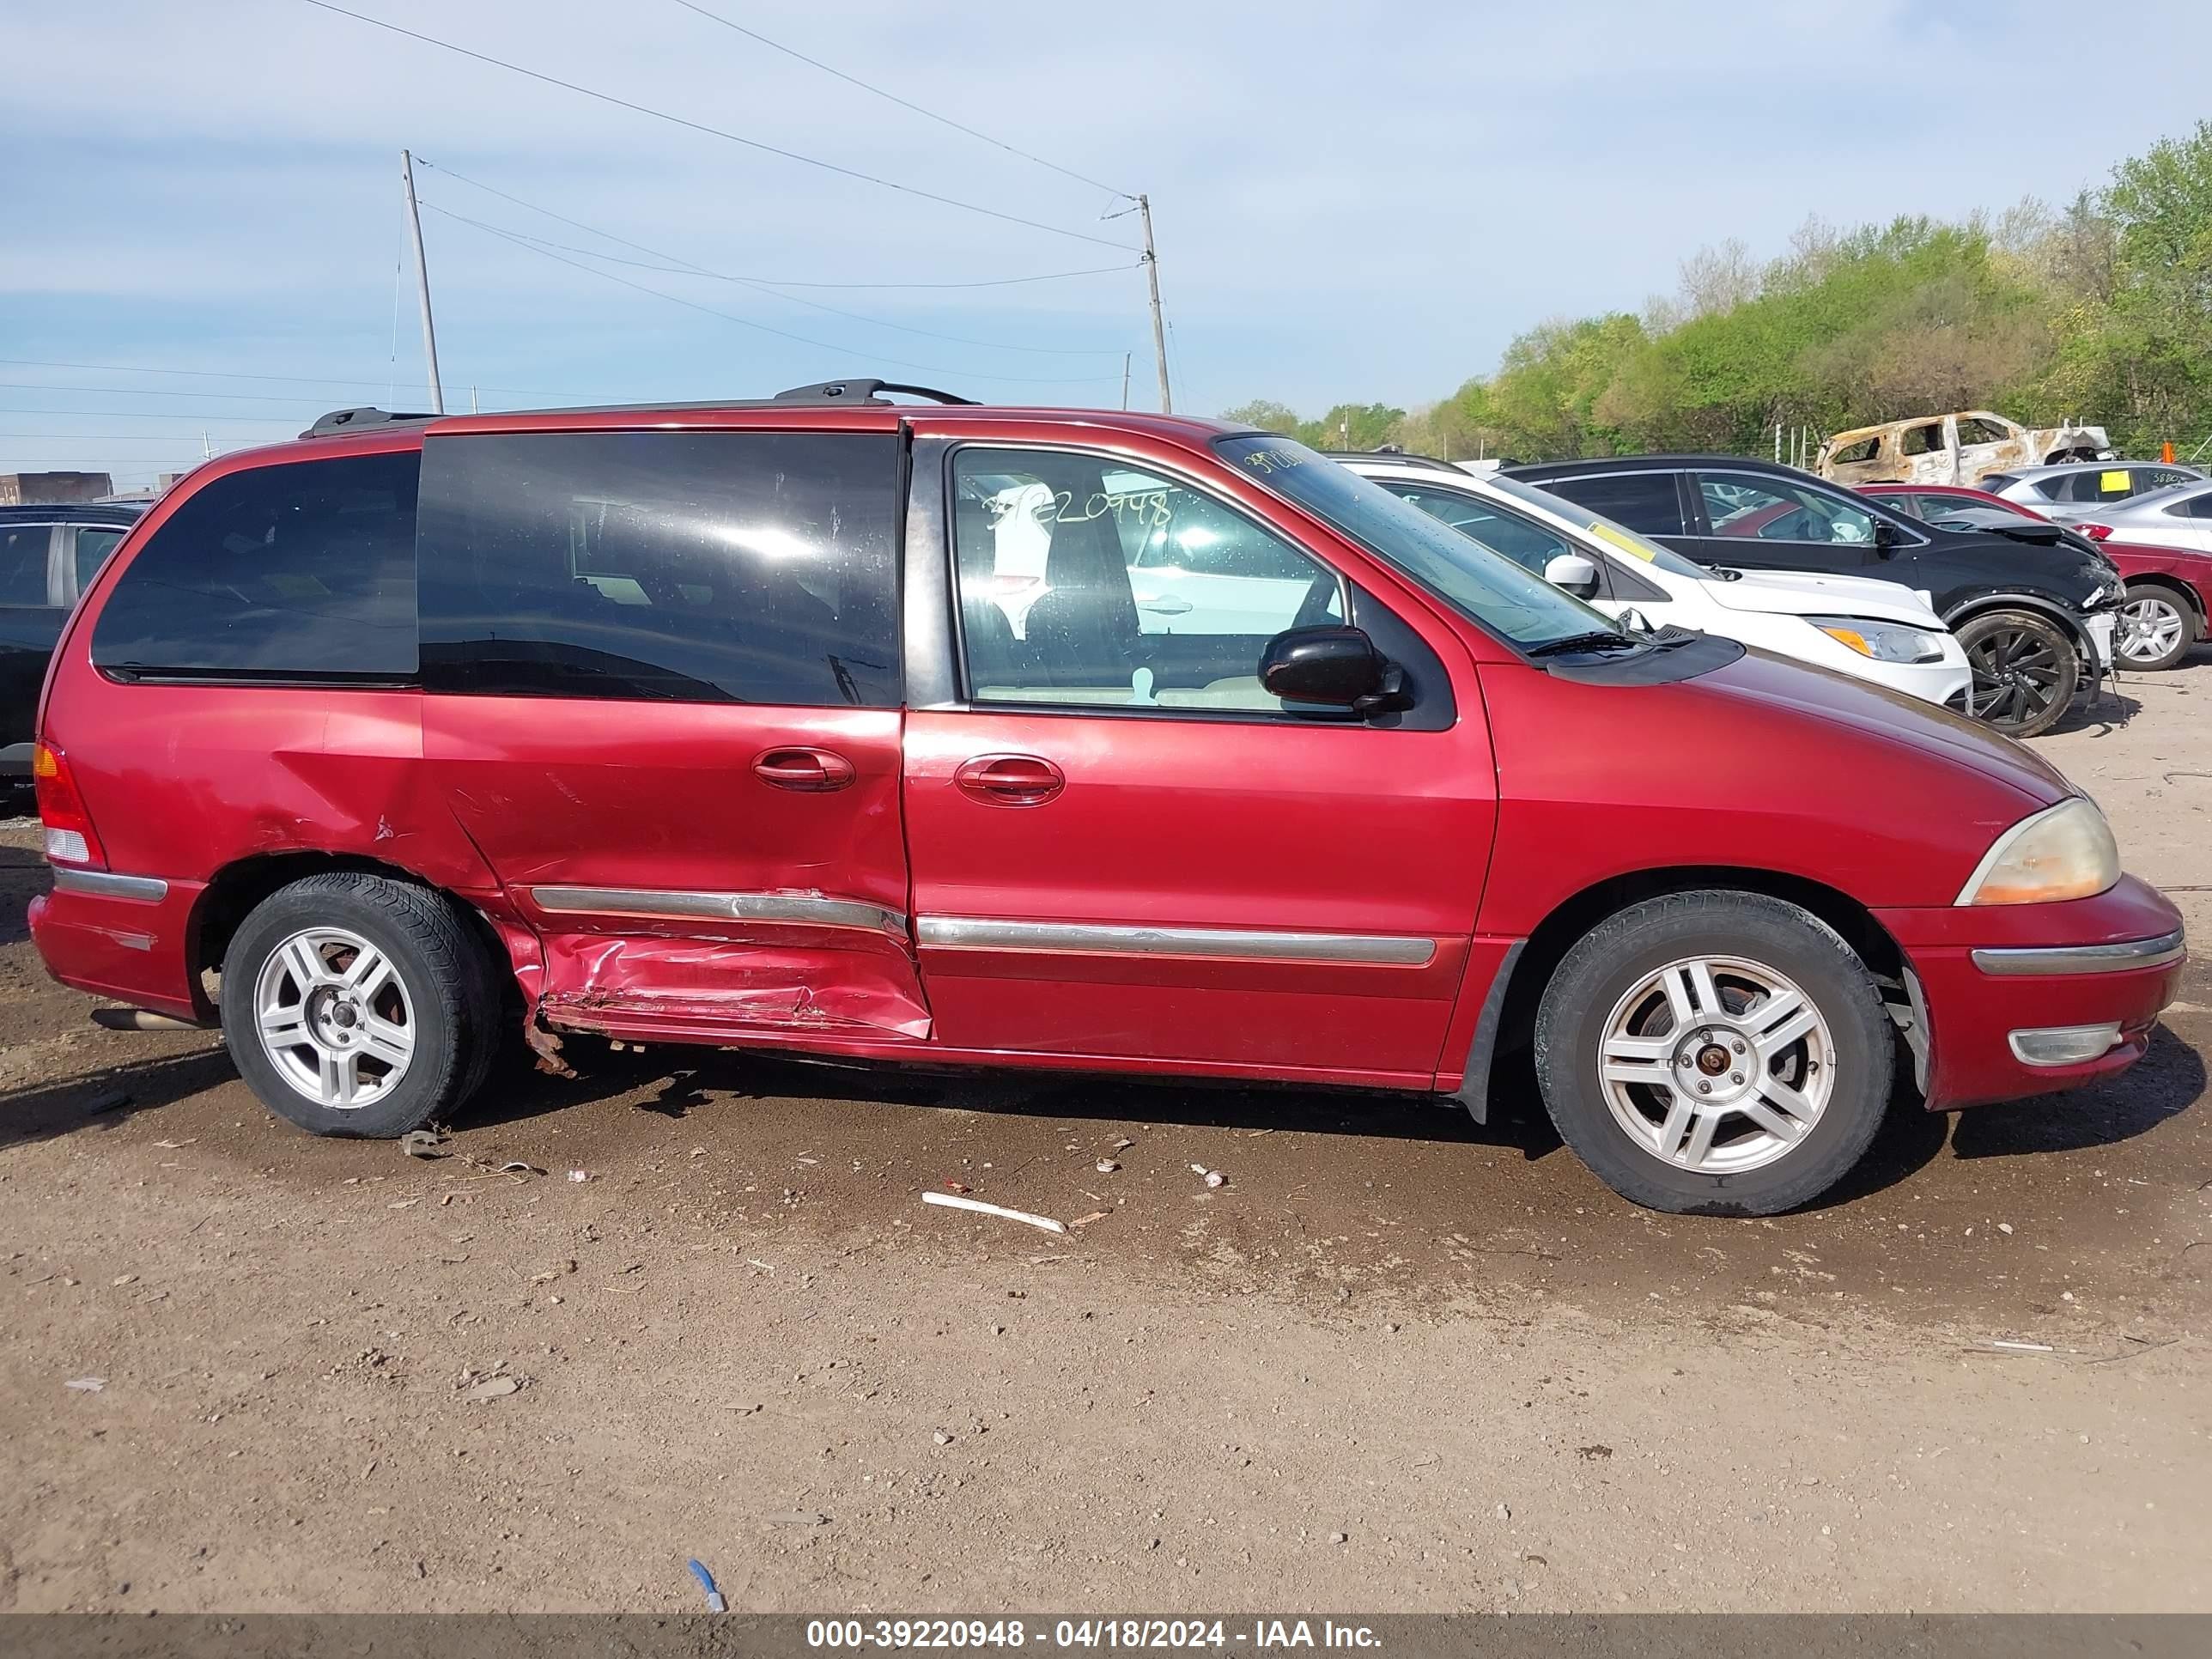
904,731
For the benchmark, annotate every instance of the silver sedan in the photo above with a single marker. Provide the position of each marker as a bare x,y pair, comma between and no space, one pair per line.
2073,491
2179,516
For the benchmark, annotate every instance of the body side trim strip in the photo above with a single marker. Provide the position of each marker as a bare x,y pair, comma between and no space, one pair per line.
1090,939
104,884
794,910
2083,958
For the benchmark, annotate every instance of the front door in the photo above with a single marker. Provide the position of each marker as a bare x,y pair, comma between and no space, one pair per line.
1123,849
662,698
1758,522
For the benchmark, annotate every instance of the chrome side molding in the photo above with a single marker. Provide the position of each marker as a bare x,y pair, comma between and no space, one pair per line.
795,909
106,883
1366,949
2083,958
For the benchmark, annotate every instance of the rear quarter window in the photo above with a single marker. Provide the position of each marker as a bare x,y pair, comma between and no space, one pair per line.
1645,501
694,567
303,570
23,563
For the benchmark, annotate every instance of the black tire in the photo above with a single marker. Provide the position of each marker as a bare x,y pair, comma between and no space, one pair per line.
2167,609
447,982
1610,962
2026,670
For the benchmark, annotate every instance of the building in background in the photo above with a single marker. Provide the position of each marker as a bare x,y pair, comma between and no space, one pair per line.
39,489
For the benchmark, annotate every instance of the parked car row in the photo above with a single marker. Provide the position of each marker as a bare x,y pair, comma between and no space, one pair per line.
945,735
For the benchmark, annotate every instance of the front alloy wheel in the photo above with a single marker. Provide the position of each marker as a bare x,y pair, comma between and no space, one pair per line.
1716,1064
2155,630
2024,669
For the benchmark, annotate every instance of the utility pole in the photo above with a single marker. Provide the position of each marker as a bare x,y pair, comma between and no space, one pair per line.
422,285
1126,357
1159,328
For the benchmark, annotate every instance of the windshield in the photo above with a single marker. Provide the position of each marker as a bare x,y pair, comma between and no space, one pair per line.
1488,587
1615,534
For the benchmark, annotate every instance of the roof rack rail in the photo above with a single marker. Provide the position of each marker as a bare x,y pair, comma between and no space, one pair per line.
344,420
863,392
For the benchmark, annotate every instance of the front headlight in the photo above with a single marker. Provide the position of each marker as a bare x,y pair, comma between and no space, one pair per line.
2064,852
1881,641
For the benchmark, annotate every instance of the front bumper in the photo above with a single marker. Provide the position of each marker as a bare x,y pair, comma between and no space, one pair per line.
2000,982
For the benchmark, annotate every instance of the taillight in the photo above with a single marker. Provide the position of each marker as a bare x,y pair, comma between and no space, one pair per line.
71,838
2095,533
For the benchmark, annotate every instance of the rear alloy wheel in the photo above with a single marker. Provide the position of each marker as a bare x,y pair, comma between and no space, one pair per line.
1715,1053
356,1004
2025,669
2156,628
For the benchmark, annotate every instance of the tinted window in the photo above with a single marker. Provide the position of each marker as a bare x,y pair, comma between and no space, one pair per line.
692,566
23,563
1085,582
1742,507
1997,482
2192,507
302,570
1641,501
93,546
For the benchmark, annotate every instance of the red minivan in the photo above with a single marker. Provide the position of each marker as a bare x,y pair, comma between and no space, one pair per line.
1074,738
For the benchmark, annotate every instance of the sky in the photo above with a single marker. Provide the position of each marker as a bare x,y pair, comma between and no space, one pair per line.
1351,202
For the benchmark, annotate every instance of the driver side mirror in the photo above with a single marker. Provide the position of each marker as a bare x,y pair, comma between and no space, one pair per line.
1332,667
1574,572
1886,538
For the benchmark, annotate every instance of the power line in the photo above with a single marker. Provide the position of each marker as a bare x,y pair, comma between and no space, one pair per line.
765,328
226,374
685,268
946,120
149,392
719,133
685,265
142,415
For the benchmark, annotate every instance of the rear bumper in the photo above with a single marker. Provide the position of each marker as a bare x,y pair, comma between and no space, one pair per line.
2006,985
120,936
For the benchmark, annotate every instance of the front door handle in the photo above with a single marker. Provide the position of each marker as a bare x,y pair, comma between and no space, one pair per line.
1165,605
1009,779
811,771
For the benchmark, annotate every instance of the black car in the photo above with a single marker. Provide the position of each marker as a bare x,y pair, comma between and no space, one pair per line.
48,556
2032,604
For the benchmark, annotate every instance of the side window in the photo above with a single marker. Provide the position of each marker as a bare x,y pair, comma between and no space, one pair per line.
2148,479
2193,507
1643,501
1973,430
1738,505
684,566
301,570
1921,439
1864,450
1916,506
1528,545
94,544
1087,581
2055,487
23,563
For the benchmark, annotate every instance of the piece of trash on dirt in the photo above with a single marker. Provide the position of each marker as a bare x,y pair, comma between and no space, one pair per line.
1504,1513
1197,1169
124,1279
494,1388
579,1175
421,1143
942,1439
551,1274
1588,1452
86,1384
958,1187
2004,1227
1107,1166
953,1201
714,1602
516,1166
747,1410
1086,1220
176,1145
1123,1144
2023,1348
1213,1178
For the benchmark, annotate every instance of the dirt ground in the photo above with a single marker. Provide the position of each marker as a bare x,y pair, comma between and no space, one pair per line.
1397,1361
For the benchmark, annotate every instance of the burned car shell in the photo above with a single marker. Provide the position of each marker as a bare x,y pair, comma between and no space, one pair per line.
1953,448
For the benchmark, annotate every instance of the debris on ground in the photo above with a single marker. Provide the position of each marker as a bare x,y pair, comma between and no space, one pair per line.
1588,1453
579,1175
1086,1220
494,1388
86,1384
421,1143
1211,1177
552,1273
714,1602
2022,1347
953,1201
1107,1166
958,1187
1504,1513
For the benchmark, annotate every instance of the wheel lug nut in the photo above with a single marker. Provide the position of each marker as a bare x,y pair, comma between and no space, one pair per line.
1736,1077
1738,1047
1705,1088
